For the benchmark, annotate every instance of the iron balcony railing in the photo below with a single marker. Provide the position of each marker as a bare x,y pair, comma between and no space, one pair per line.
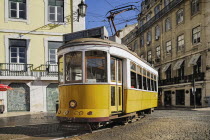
159,15
184,79
46,70
13,69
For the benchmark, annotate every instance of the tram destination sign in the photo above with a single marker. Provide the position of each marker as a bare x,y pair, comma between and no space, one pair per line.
99,32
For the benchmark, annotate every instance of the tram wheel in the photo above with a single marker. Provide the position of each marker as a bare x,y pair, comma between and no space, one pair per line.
95,126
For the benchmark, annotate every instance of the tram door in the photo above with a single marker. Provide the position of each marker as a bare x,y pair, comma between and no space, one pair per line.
116,87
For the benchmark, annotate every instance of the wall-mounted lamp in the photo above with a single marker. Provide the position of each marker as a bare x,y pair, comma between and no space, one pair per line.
187,91
81,11
173,92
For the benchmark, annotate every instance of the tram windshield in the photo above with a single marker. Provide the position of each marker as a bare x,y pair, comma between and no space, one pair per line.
95,66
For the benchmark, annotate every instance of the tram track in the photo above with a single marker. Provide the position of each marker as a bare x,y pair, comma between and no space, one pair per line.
88,131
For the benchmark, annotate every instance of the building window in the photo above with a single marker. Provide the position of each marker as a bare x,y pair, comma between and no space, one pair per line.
168,24
52,51
168,73
197,67
157,32
196,35
195,6
56,10
149,37
142,56
135,46
181,72
168,47
180,16
17,9
180,42
166,2
141,22
149,56
158,52
17,51
157,9
148,17
142,41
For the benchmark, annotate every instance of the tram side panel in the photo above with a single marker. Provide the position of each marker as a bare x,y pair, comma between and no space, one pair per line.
136,100
92,101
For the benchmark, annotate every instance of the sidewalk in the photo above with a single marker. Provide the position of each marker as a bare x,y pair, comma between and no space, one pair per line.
183,108
26,118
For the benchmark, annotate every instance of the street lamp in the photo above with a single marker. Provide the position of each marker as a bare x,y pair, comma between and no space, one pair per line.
82,9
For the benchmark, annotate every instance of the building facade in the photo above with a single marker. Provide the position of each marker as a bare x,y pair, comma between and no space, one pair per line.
174,36
30,33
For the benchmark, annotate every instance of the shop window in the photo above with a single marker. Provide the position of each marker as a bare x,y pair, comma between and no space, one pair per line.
180,97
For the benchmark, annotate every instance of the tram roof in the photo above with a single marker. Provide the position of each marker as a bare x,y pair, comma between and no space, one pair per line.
98,41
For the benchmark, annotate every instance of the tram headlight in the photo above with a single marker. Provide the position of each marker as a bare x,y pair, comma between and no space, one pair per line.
72,104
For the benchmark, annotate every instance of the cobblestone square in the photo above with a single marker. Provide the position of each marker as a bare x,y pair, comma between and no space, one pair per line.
178,124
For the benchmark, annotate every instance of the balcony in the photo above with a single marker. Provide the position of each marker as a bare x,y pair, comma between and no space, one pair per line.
46,70
12,69
27,70
159,15
180,80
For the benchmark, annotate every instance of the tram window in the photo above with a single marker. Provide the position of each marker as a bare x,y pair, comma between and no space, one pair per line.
119,71
112,96
133,79
144,83
148,83
113,67
73,67
155,85
60,69
139,81
152,85
96,66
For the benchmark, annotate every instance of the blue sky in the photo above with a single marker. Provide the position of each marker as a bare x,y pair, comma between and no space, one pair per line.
97,10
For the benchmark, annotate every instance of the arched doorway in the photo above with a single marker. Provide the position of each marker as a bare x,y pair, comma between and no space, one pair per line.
18,99
52,96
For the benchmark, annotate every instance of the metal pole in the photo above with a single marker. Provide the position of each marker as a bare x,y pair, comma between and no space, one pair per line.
193,90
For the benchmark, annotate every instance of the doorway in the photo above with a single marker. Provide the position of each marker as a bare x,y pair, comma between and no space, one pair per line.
116,87
167,98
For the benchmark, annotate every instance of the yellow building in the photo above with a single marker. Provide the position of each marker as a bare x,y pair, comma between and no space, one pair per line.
30,33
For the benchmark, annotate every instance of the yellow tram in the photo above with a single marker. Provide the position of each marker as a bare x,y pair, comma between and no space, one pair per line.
102,81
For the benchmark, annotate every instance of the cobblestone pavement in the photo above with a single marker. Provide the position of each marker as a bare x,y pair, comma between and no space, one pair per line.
161,125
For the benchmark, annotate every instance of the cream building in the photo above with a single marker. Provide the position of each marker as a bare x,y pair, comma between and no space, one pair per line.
30,33
174,36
